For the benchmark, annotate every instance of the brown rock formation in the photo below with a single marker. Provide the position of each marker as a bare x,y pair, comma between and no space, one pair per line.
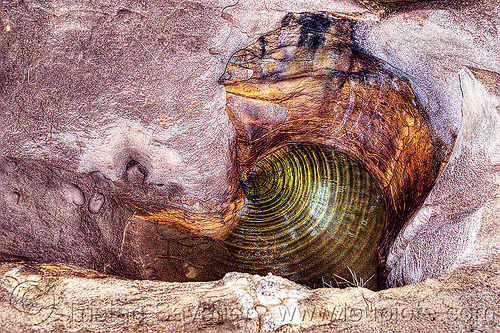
110,109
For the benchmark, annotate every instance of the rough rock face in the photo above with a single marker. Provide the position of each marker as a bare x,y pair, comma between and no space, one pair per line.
76,218
62,299
466,226
452,56
110,107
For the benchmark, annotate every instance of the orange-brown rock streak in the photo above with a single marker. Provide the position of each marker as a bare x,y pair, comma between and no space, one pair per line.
216,224
211,218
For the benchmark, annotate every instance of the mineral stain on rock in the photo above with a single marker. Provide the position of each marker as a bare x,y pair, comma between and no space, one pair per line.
313,27
339,97
307,85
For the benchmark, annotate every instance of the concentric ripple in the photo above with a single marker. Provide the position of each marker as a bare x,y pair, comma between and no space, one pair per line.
313,215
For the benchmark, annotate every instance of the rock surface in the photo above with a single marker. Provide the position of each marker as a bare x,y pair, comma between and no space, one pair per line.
109,100
63,299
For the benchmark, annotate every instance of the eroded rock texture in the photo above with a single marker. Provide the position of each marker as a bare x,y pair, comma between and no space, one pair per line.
111,108
53,215
307,82
461,66
54,298
109,89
